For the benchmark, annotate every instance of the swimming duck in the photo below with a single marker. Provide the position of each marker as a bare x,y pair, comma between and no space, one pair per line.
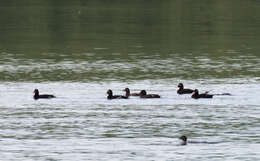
127,90
38,96
196,95
182,90
143,94
184,140
111,96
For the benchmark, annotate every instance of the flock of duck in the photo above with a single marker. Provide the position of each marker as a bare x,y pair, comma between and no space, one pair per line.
142,94
181,90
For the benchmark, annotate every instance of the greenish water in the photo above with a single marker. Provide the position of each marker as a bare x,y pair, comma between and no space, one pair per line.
104,40
77,50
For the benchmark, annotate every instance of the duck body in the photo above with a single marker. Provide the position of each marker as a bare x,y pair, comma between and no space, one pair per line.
182,90
111,96
127,90
42,96
196,95
185,91
143,94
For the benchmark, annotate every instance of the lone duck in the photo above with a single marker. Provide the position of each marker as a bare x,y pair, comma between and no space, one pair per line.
38,96
184,140
111,96
182,90
127,90
143,94
196,95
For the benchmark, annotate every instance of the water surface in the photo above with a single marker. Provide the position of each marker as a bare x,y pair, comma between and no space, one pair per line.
78,50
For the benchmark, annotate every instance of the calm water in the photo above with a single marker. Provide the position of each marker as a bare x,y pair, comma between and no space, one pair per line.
77,50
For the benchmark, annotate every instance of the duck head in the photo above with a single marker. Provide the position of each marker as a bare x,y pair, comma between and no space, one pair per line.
195,92
127,90
180,85
109,92
184,140
143,93
36,92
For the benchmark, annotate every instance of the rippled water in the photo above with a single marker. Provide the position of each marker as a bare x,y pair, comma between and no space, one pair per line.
82,124
133,67
77,50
